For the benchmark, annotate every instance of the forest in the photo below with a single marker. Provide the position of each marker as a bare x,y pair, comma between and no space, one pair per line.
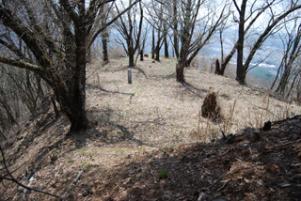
172,100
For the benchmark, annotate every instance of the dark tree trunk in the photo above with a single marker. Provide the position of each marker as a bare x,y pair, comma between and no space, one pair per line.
73,105
180,72
241,76
105,54
141,55
153,43
217,67
77,98
131,59
158,46
223,68
166,51
283,82
175,29
78,118
131,65
241,71
227,59
157,53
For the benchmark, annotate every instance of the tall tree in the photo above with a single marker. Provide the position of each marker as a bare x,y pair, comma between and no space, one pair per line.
194,33
289,69
175,27
274,19
155,13
165,39
58,39
129,27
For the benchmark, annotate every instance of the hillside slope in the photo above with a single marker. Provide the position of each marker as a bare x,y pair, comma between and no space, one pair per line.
146,142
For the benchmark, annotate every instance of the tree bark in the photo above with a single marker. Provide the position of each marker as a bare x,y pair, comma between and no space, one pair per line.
141,55
157,53
180,72
217,67
283,82
175,29
78,116
241,71
153,43
131,65
105,54
166,51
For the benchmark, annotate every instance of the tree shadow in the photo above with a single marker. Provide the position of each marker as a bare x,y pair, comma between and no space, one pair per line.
105,130
201,93
93,86
217,171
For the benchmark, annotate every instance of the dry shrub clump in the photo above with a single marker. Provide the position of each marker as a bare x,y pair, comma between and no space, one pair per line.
211,108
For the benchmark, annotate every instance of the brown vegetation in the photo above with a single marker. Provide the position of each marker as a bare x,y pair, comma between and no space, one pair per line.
141,149
210,108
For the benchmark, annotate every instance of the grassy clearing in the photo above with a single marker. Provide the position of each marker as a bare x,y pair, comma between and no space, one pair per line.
158,111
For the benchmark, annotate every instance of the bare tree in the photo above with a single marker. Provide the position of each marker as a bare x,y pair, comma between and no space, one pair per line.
165,40
105,34
289,69
130,28
104,41
194,33
156,18
153,43
58,40
245,22
220,65
175,27
143,43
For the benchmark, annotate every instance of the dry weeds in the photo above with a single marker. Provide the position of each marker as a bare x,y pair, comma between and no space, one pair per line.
162,112
152,115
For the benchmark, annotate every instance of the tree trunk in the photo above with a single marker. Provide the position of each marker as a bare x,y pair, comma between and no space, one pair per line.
222,69
283,82
157,53
165,39
105,54
73,105
141,55
131,65
166,51
158,46
227,59
241,71
153,43
78,118
131,59
217,67
180,72
241,76
77,98
175,29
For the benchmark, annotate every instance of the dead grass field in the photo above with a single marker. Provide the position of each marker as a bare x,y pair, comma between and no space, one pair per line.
153,115
158,111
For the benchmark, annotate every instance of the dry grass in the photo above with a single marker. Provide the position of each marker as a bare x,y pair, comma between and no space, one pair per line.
152,115
162,112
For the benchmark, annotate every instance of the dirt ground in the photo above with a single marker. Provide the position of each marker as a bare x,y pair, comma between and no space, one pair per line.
140,131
